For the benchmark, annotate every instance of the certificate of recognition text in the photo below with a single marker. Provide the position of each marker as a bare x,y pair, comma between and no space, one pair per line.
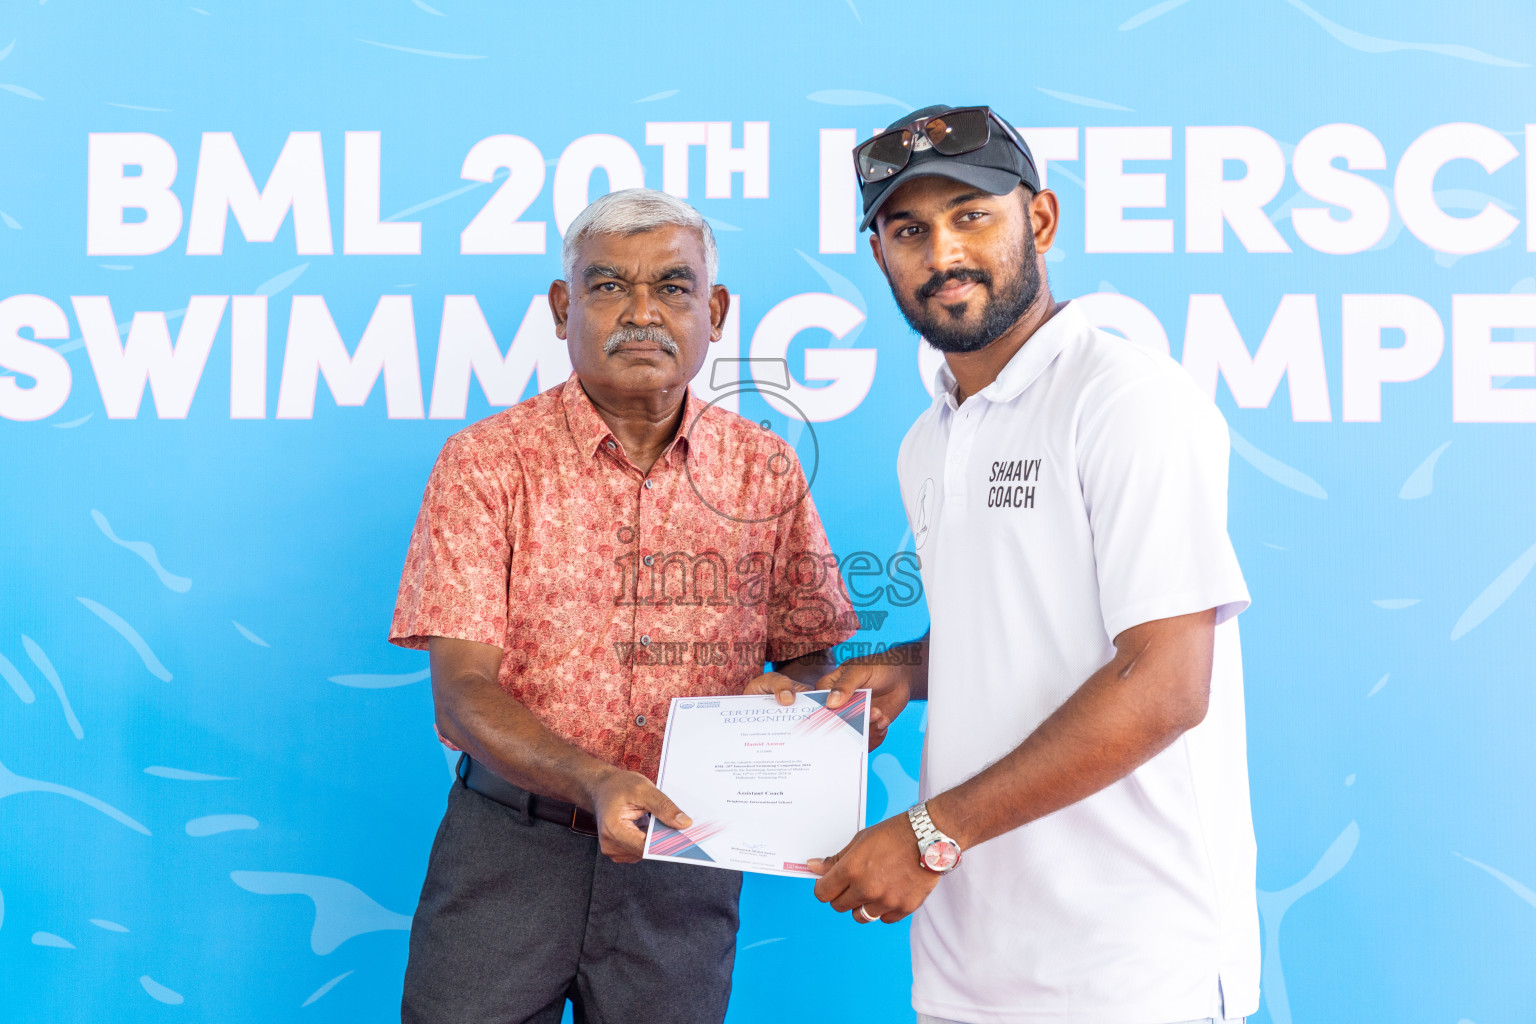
768,786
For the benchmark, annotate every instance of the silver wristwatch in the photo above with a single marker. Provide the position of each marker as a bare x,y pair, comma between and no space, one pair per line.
937,851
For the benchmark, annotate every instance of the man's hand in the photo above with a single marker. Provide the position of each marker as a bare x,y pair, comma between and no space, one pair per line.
619,802
889,685
779,684
785,688
878,870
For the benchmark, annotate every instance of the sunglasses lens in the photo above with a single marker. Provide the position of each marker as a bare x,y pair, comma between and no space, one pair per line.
959,131
884,155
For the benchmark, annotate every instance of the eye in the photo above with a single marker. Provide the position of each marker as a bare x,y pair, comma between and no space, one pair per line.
908,231
608,286
972,215
675,289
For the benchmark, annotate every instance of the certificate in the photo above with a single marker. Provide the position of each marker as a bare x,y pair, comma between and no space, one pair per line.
768,786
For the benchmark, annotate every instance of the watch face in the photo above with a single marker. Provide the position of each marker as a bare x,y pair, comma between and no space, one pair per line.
941,855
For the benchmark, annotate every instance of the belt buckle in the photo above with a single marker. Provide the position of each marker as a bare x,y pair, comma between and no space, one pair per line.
575,812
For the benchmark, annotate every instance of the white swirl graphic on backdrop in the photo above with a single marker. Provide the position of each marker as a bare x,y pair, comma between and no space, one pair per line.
1155,11
1497,592
17,681
127,632
12,784
1273,906
1276,470
45,666
1421,482
342,910
1375,44
145,550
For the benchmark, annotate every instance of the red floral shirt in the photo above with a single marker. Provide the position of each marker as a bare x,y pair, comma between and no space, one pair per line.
609,590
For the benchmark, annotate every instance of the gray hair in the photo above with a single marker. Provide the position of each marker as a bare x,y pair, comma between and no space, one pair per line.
631,211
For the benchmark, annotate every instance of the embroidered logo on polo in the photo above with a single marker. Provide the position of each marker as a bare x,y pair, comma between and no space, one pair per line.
1013,483
924,517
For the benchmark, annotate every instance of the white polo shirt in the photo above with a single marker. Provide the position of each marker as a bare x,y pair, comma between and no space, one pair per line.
1082,492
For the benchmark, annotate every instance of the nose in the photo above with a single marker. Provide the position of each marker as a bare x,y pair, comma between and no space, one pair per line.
642,310
945,249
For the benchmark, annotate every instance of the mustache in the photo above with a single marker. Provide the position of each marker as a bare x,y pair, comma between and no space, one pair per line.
931,287
658,336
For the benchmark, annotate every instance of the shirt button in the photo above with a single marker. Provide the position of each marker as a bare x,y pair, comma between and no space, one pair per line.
649,559
639,719
645,641
613,444
649,484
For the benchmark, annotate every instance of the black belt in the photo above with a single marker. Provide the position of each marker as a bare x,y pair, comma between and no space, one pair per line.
493,787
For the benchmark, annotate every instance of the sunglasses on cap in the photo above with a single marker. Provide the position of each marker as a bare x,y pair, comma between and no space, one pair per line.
949,134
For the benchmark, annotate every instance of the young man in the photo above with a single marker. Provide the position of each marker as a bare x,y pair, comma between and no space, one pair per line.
1084,853
570,553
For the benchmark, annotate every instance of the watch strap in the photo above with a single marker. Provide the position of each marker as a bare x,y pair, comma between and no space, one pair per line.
922,824
927,832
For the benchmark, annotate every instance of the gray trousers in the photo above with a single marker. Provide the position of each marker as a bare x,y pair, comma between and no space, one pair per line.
519,915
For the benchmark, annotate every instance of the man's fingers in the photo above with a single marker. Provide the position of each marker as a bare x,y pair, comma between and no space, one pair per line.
828,889
621,806
878,725
876,737
622,839
785,688
848,899
821,865
831,883
623,847
781,686
866,913
668,813
829,680
842,681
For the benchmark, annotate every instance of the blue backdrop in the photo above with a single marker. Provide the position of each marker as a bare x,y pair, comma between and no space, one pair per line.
218,783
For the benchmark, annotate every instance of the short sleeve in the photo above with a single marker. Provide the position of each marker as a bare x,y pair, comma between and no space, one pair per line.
1152,458
809,609
456,571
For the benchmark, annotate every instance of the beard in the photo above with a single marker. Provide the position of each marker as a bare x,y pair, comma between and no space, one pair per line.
945,328
657,336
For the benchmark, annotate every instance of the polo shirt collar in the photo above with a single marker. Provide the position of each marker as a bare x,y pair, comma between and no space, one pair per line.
1027,363
591,434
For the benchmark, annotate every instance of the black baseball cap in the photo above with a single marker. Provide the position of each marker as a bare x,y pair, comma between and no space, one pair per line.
998,167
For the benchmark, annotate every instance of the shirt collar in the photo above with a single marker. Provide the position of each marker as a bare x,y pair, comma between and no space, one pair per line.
1049,339
591,432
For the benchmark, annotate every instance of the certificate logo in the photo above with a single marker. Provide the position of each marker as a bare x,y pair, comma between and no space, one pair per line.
685,705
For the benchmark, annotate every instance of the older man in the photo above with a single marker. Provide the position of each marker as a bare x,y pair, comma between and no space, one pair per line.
571,555
1084,853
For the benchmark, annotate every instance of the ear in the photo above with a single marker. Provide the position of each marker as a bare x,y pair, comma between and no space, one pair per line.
1044,219
719,306
877,252
560,306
